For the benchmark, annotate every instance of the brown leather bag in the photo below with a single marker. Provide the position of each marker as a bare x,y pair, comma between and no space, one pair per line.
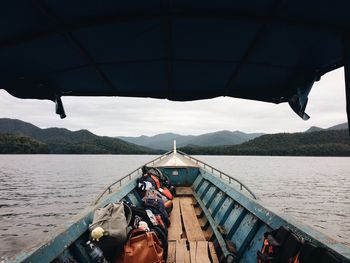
143,247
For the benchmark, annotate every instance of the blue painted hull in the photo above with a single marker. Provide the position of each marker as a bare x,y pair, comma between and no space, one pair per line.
232,216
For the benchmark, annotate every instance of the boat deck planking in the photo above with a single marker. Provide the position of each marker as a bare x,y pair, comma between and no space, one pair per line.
175,230
193,229
187,240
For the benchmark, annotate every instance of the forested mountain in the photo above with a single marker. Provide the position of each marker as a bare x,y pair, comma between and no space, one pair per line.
13,143
20,137
59,140
165,140
318,143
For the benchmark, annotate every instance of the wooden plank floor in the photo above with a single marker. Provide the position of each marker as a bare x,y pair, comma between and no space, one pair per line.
175,229
187,243
192,227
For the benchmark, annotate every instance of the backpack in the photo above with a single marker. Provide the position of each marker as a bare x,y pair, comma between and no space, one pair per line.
153,202
144,183
111,218
164,181
280,245
139,214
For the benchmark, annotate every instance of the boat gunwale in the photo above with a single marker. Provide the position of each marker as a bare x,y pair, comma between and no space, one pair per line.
275,220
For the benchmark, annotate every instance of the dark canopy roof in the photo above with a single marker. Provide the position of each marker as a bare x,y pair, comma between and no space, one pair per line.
176,49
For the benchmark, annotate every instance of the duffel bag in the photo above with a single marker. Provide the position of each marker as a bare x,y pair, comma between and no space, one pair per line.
143,247
109,228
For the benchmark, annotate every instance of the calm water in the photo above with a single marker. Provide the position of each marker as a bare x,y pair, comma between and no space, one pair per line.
40,192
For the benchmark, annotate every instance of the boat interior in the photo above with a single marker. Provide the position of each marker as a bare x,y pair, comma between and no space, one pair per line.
215,218
271,51
190,236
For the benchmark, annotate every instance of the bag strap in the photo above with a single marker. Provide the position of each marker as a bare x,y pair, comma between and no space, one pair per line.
128,219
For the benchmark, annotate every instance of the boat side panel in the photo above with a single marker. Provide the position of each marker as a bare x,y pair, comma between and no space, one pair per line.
224,210
203,189
197,182
234,219
219,198
249,255
78,250
240,226
271,219
185,176
210,195
133,199
215,226
245,232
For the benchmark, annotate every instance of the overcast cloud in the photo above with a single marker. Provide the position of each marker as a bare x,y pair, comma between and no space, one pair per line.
115,116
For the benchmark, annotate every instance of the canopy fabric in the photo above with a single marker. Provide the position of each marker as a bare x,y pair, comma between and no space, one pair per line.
264,50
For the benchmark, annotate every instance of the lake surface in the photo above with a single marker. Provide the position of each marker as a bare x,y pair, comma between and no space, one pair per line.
40,192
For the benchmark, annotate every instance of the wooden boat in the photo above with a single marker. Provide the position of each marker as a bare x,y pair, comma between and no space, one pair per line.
270,51
216,218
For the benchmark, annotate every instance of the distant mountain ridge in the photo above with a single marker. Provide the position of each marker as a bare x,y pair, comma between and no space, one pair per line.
20,137
342,126
60,140
334,142
165,141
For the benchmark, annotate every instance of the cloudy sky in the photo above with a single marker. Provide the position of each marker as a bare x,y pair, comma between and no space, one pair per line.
117,116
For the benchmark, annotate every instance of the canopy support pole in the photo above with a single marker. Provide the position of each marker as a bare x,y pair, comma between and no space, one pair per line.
346,55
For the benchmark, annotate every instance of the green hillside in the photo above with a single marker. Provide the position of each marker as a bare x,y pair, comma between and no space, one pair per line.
63,141
17,144
20,137
318,143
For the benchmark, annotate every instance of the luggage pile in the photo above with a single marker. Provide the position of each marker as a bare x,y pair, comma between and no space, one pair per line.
124,233
284,246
